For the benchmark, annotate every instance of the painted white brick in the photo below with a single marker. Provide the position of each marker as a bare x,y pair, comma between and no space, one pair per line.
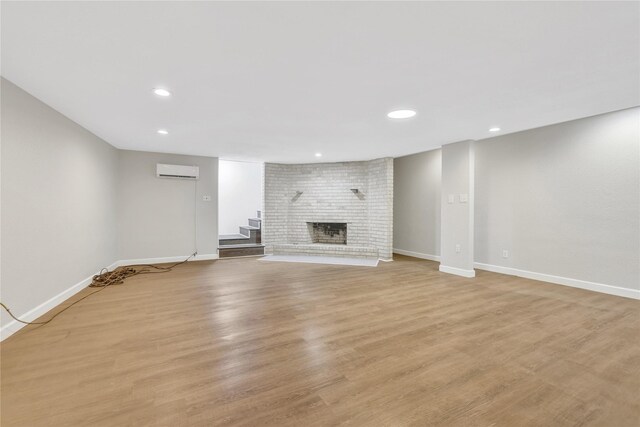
297,194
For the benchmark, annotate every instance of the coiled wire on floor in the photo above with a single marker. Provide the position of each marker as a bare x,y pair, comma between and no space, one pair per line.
107,278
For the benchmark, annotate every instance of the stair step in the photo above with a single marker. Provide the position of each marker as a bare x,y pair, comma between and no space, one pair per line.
251,232
247,229
232,251
233,239
232,236
255,222
242,245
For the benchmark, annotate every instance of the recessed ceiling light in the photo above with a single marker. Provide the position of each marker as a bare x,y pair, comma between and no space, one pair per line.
494,130
318,154
163,132
401,114
161,92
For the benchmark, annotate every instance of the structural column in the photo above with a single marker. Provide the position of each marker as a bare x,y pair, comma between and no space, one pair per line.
456,239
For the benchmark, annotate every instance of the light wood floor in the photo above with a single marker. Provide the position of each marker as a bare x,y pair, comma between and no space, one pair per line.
244,342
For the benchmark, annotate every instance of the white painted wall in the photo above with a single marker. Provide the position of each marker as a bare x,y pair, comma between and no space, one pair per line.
240,194
162,217
59,186
564,200
416,204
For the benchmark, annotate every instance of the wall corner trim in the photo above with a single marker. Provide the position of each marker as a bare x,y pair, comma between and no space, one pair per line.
417,254
565,281
457,271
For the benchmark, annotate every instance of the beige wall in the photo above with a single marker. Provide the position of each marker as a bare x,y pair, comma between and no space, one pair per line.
160,217
563,199
73,204
456,208
416,203
58,196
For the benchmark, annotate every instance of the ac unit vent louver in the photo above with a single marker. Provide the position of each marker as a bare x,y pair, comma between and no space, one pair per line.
177,171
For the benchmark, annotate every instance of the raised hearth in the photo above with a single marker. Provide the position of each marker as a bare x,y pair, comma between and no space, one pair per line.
322,249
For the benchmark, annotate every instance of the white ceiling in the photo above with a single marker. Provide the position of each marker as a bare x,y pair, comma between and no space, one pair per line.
280,81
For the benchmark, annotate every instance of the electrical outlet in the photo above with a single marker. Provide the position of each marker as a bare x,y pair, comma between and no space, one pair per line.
457,249
505,253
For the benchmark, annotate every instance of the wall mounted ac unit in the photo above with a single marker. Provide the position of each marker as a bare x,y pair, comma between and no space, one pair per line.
177,171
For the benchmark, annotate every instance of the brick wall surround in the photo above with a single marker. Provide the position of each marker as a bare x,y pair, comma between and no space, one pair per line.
321,192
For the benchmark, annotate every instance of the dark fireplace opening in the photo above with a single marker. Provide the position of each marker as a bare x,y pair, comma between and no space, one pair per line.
328,232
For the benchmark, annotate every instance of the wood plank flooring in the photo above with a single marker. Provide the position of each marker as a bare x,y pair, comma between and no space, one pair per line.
242,342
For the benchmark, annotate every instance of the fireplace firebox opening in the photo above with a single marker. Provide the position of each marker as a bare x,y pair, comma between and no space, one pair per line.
328,232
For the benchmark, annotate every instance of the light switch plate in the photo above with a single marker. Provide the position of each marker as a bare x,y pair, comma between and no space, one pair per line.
452,198
206,198
464,198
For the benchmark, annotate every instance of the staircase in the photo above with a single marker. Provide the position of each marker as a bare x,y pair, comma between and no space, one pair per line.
247,243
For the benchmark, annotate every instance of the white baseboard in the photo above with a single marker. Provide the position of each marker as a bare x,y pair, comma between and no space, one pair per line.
457,271
417,255
164,260
565,281
574,283
205,257
13,326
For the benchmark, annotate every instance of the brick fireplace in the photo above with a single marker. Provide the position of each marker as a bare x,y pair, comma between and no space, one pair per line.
331,209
